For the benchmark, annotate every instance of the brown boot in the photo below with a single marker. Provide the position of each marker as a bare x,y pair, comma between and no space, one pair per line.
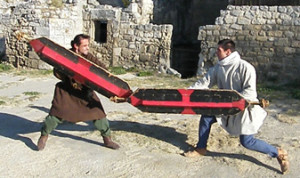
282,159
196,153
42,142
109,143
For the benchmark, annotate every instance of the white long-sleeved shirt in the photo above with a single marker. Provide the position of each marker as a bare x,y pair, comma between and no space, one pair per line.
233,73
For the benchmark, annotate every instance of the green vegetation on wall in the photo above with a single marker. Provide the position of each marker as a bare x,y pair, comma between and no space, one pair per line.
5,67
57,3
126,3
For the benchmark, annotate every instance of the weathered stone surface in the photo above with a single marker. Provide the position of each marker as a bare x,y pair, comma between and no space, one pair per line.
268,37
126,52
126,30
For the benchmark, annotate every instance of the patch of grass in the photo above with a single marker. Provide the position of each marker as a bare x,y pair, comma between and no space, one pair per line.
292,112
2,102
57,3
121,70
45,72
117,70
264,90
270,92
144,73
34,72
290,90
126,3
5,67
294,88
132,69
162,81
31,93
295,93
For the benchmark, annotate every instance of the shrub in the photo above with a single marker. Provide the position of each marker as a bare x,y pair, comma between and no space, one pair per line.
5,67
117,70
57,3
126,3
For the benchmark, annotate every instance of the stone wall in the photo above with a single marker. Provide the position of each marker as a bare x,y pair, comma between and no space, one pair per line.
143,46
35,19
266,36
131,40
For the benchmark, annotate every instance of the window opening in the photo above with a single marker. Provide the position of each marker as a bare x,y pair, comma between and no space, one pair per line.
100,31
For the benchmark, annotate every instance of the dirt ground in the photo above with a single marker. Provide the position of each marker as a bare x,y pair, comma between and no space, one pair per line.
151,144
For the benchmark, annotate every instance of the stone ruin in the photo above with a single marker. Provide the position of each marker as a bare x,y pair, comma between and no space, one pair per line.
119,36
266,36
134,36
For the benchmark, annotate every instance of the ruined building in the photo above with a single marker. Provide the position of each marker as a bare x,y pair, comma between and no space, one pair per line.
158,34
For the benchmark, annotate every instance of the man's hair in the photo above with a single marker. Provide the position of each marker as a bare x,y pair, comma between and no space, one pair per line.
77,39
227,44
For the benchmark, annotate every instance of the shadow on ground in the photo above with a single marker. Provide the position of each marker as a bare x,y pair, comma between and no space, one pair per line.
242,157
166,134
14,127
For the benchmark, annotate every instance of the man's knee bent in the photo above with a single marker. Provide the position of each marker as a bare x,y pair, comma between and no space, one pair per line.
247,141
208,120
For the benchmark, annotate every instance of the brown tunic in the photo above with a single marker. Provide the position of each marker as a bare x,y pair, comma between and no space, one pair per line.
76,105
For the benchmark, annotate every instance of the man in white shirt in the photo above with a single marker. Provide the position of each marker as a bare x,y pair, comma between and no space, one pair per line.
233,73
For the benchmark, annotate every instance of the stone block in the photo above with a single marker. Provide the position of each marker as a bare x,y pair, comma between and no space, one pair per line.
267,15
289,50
152,49
278,33
130,32
42,31
240,38
96,14
282,42
157,34
219,20
236,27
123,44
261,38
288,34
295,44
271,22
148,35
148,27
117,51
267,54
287,22
281,9
249,14
132,45
230,20
243,20
258,21
129,37
285,17
216,33
273,8
126,53
144,57
237,13
279,21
